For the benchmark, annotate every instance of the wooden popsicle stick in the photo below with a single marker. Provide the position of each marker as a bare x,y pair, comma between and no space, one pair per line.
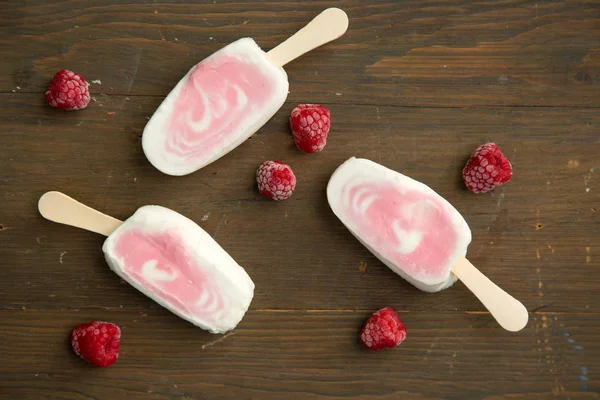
325,27
510,313
58,207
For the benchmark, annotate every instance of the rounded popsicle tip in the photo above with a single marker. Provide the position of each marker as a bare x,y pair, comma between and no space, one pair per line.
46,202
338,16
517,321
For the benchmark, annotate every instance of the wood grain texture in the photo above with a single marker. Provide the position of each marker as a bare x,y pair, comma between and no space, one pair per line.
414,85
449,53
304,355
524,234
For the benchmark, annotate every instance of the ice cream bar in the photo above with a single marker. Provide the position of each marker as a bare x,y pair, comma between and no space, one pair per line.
225,98
403,222
215,107
415,232
169,258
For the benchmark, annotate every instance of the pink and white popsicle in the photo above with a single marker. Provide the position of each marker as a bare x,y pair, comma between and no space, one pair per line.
227,97
169,258
415,232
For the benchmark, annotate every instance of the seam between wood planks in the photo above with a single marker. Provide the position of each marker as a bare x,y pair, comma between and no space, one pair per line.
290,310
384,105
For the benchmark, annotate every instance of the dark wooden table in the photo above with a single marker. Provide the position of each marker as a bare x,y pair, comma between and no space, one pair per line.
415,85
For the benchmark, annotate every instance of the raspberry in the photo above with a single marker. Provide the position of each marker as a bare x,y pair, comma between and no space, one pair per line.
310,125
383,330
487,169
276,180
68,91
97,342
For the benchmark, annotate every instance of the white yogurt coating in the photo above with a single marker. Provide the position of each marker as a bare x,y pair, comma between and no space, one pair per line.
403,222
215,107
172,260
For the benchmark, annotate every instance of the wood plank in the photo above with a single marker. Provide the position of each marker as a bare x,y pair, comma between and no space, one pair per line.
537,236
415,85
303,355
449,53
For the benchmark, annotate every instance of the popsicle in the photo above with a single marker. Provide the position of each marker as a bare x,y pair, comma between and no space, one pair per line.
168,257
415,232
227,97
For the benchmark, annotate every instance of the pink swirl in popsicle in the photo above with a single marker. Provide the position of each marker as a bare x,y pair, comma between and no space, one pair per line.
175,262
219,95
407,227
160,263
216,106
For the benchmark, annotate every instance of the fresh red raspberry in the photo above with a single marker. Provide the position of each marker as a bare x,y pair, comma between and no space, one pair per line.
97,342
68,91
487,169
383,330
310,125
276,180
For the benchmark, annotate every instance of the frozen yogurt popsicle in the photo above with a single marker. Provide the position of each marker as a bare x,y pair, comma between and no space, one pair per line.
408,226
227,97
415,232
215,107
169,258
